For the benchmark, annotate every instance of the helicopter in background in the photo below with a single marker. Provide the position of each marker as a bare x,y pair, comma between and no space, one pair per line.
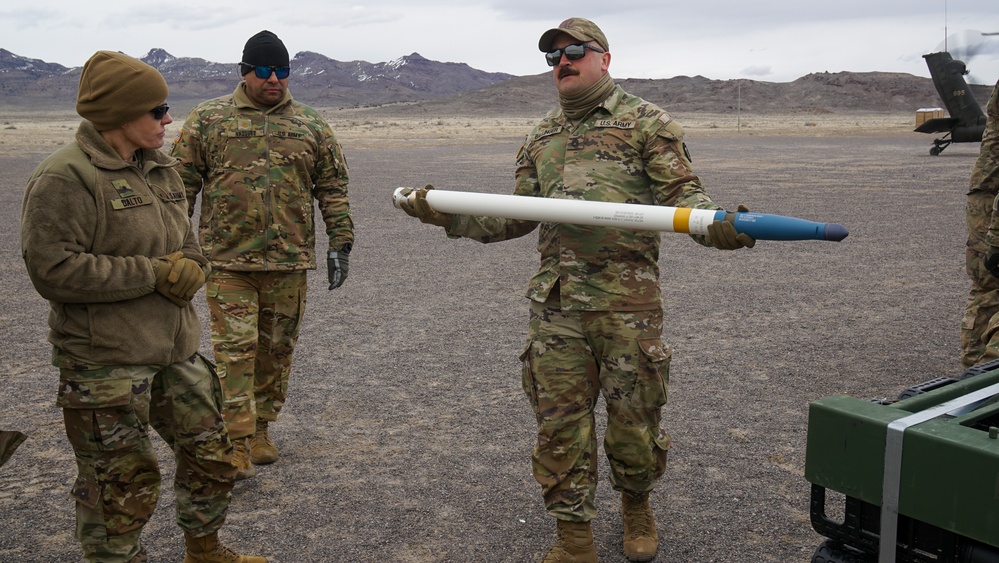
966,123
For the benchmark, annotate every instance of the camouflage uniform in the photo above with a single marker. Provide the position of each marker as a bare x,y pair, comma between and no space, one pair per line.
258,172
91,226
981,322
596,314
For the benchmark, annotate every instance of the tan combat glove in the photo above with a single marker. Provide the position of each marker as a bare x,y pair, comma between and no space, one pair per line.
416,206
722,234
162,267
187,278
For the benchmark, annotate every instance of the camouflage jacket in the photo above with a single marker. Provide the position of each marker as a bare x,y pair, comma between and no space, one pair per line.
90,225
258,172
626,151
985,174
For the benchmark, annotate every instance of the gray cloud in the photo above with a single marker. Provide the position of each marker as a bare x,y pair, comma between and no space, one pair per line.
758,70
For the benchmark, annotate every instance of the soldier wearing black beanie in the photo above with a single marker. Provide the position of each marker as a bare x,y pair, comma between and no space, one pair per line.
262,162
264,49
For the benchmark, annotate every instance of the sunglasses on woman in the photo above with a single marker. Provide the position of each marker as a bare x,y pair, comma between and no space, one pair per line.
159,112
572,52
263,72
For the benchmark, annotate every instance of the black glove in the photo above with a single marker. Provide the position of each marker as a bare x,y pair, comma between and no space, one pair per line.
991,261
722,234
337,265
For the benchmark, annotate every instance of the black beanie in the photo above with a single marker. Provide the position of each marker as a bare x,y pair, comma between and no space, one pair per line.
265,49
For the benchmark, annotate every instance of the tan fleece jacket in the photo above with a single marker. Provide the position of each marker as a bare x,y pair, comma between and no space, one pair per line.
90,226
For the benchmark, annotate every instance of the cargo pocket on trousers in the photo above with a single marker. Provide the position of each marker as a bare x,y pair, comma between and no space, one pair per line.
213,373
968,320
215,317
652,393
86,492
652,384
98,412
527,376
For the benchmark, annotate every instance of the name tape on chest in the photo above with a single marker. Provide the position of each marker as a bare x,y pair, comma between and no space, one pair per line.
127,197
129,202
547,132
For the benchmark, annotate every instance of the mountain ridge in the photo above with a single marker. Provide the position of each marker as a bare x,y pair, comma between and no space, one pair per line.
316,79
415,85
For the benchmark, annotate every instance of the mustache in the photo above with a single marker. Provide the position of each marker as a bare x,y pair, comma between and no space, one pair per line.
567,71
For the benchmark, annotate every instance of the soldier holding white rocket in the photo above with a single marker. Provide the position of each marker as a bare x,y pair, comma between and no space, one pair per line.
596,312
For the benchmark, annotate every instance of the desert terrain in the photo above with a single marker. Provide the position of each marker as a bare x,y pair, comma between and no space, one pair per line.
406,436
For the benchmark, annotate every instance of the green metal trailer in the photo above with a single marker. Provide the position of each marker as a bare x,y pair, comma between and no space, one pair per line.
918,476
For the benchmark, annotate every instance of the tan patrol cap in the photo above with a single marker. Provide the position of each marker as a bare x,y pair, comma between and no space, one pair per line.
579,28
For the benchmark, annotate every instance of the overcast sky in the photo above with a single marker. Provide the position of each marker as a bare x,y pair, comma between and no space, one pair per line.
769,40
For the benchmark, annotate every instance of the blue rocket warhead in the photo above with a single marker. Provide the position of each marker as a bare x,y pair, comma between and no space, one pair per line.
762,226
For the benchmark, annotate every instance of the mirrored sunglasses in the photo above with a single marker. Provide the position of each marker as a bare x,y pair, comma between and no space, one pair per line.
572,52
159,112
264,72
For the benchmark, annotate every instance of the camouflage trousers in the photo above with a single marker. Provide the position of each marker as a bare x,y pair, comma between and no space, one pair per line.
108,412
255,319
569,361
980,325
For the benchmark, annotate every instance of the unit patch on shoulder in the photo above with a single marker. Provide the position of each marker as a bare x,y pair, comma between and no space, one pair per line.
671,129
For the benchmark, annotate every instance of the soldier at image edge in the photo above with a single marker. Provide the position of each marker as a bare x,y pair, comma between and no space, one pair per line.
106,239
980,327
596,309
259,158
9,441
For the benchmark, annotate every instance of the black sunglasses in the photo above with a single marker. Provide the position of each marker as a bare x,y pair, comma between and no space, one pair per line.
159,112
263,72
572,52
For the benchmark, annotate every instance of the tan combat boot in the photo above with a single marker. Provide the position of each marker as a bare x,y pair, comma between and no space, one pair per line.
640,538
241,459
574,544
208,549
262,449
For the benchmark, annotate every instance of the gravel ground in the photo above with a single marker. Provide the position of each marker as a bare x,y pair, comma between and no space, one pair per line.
406,436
